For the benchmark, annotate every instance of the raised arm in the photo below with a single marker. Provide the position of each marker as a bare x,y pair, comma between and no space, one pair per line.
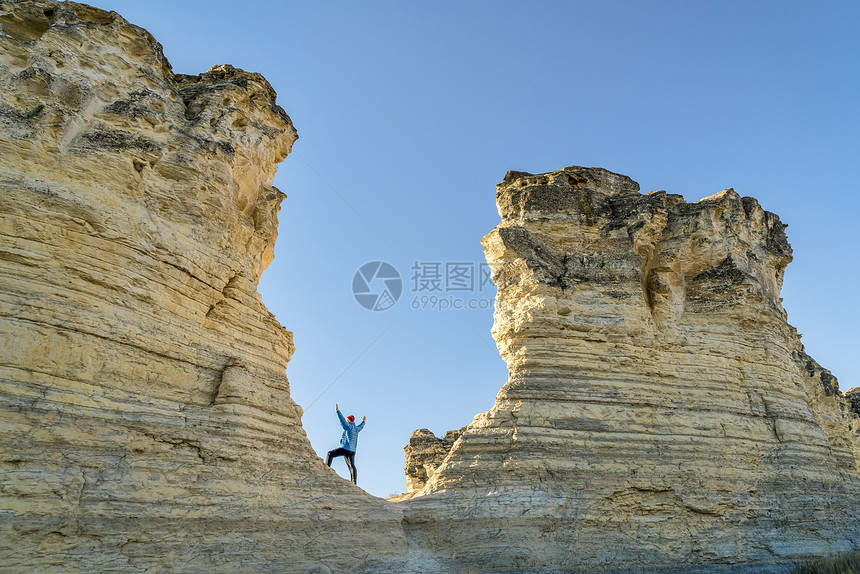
342,420
361,424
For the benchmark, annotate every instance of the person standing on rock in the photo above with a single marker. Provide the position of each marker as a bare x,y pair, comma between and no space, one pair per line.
348,442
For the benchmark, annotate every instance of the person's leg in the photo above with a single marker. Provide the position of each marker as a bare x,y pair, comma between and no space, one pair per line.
350,462
334,453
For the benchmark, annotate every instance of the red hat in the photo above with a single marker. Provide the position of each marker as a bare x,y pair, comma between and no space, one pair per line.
350,418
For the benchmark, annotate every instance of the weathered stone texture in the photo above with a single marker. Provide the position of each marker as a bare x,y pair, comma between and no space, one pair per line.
424,453
660,411
145,417
853,396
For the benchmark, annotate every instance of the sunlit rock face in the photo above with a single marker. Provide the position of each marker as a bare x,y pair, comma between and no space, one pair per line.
424,453
145,416
660,411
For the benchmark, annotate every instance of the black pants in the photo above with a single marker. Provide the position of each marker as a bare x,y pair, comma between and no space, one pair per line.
349,455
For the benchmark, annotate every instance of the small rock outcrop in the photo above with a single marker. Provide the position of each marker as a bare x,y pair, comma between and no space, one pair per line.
145,418
660,412
853,396
424,453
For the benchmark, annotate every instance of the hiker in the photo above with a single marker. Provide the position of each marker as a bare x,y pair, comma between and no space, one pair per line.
348,442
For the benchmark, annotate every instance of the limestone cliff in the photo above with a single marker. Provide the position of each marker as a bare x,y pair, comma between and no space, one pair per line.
660,411
145,416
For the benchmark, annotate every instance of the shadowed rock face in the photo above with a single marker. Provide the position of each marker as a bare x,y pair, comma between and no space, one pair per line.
660,411
145,417
853,396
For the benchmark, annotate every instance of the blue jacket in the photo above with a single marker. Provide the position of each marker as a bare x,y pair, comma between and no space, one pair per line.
349,438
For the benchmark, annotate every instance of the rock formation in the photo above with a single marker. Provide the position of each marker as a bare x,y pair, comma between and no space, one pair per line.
853,396
660,411
424,453
145,417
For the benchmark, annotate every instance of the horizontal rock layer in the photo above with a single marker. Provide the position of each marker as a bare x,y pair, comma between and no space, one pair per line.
145,417
660,411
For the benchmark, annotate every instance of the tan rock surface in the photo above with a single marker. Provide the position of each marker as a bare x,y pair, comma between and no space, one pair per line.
660,411
145,416
424,454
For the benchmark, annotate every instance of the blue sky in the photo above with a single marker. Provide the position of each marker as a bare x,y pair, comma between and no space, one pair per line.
409,114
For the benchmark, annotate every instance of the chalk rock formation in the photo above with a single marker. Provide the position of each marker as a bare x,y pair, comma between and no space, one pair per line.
424,453
145,417
853,395
660,411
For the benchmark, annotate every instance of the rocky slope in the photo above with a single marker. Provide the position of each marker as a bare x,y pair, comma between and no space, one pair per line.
145,417
660,411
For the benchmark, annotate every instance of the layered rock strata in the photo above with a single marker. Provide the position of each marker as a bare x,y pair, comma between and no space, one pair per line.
660,413
145,416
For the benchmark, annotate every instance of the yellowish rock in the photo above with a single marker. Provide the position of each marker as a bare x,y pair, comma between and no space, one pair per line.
660,412
145,416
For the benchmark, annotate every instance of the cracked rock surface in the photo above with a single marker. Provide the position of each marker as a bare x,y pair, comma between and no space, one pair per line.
145,416
660,412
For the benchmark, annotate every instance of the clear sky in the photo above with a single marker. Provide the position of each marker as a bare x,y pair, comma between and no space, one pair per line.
408,115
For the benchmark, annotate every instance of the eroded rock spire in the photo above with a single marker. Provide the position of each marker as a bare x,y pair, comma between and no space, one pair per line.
145,418
660,411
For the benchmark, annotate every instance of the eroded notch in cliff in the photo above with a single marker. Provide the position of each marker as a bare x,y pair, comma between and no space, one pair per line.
549,268
227,292
646,233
